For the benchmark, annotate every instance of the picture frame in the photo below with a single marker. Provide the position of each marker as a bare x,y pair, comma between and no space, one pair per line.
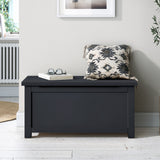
85,8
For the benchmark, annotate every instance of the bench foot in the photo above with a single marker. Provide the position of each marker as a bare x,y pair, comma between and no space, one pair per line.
131,133
28,133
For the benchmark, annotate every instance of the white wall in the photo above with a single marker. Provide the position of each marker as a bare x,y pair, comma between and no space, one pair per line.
47,41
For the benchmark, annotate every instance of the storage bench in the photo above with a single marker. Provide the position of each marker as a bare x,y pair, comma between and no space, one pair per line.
79,106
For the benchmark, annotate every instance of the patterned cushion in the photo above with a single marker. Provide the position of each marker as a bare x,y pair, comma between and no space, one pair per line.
107,61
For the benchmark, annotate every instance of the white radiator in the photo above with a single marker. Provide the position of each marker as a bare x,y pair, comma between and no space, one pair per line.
9,62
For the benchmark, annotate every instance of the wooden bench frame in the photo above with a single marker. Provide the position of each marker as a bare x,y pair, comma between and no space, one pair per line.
79,106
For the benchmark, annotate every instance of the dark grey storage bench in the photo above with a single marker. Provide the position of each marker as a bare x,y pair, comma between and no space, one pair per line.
79,106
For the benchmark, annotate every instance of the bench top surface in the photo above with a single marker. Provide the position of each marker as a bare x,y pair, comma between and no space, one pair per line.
35,81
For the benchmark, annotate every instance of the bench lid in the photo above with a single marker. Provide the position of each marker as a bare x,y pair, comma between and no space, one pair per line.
77,81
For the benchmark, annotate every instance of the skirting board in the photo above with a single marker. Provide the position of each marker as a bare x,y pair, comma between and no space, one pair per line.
20,119
10,99
141,119
9,91
146,119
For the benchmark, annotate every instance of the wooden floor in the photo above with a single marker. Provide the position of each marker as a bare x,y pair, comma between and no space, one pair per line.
13,146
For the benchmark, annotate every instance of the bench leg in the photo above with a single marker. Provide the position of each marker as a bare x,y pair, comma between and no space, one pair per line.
28,132
28,129
131,119
131,133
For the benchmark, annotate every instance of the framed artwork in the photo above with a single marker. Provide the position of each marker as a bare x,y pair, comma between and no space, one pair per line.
86,8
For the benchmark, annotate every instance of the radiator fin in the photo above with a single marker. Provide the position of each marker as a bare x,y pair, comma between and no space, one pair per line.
9,62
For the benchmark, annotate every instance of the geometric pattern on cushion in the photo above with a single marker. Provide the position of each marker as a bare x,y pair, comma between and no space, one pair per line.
107,61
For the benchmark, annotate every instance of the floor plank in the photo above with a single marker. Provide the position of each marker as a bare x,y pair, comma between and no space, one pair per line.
29,154
13,145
